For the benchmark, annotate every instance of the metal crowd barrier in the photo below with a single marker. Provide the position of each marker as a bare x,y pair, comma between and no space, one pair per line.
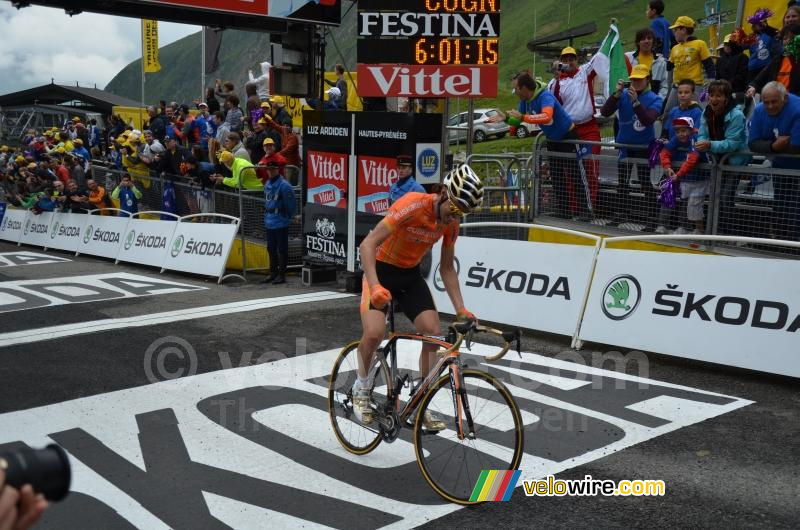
751,201
191,199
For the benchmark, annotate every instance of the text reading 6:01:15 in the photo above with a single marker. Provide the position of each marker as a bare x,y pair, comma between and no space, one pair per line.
456,51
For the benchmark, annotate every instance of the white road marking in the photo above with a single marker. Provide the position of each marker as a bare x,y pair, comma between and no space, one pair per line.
55,332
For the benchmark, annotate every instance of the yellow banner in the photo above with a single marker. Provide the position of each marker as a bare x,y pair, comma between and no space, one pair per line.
150,45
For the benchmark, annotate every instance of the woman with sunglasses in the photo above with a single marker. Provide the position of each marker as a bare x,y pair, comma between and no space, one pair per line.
390,257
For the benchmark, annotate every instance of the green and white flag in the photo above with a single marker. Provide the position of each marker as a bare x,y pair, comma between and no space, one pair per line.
611,60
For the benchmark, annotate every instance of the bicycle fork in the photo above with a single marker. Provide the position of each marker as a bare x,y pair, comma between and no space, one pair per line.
460,403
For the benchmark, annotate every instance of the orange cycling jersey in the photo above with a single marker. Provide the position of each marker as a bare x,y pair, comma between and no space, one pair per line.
412,221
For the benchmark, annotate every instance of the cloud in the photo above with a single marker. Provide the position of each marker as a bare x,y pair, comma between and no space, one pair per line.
40,44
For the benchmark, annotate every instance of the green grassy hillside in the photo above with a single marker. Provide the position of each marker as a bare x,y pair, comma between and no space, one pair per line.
521,21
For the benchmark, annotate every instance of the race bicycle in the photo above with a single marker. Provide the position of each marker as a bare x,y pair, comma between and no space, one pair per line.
483,422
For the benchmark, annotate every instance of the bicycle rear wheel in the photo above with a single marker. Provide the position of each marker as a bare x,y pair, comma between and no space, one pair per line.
452,466
351,433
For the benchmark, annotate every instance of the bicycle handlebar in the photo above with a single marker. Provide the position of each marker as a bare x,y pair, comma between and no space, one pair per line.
465,330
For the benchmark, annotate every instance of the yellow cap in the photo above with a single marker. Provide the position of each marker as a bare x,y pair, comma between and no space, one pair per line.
682,22
78,141
32,165
265,105
727,39
278,100
268,141
226,157
76,119
4,148
19,159
569,50
60,150
640,71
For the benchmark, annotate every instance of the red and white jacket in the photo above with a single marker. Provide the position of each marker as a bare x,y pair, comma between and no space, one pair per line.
575,91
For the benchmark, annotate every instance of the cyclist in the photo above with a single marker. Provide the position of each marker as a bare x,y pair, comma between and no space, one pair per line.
390,257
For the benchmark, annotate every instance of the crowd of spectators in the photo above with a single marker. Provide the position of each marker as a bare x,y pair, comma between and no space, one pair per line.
193,145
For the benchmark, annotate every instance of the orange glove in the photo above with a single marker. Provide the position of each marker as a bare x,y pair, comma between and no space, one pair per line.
465,314
379,296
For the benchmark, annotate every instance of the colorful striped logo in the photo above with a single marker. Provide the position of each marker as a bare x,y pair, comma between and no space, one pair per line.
495,485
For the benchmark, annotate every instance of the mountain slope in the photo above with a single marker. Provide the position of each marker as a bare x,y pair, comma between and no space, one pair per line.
521,21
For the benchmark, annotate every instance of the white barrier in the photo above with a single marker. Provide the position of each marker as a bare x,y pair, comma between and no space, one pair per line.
66,230
103,234
539,286
36,229
201,248
736,311
12,225
145,241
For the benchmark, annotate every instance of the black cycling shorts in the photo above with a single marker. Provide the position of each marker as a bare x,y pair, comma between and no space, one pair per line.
407,286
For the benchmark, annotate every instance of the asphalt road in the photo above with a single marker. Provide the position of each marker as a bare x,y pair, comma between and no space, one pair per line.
184,417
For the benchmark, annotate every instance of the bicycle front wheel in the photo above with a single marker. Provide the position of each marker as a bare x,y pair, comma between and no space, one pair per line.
354,436
452,466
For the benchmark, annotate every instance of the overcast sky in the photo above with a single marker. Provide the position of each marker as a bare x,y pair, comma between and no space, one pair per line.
40,43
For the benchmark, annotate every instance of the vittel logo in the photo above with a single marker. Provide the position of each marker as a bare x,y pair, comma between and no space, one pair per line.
328,166
376,172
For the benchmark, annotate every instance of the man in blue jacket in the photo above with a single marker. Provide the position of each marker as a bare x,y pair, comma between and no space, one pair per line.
405,179
279,205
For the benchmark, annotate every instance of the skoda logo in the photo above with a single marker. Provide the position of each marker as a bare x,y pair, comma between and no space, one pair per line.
129,240
5,222
437,278
88,235
177,246
54,231
27,225
621,297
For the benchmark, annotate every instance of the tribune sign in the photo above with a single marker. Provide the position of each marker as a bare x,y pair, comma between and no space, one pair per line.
428,48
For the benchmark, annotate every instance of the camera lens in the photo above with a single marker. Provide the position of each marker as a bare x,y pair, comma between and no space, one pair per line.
46,470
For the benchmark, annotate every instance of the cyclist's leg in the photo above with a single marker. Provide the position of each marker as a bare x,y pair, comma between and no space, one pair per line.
427,323
373,323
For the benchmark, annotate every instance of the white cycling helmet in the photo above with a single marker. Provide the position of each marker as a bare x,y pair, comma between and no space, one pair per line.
464,188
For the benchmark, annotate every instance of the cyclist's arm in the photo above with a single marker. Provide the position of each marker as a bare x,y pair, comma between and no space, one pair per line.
368,249
449,277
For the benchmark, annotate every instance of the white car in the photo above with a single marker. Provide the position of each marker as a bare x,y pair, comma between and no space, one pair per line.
481,129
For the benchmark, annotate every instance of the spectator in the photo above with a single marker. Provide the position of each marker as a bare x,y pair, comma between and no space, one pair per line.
638,109
76,199
279,112
171,160
792,15
224,90
260,83
241,171
76,171
341,85
732,66
647,55
765,43
661,29
200,174
279,205
405,179
151,148
784,68
94,134
128,196
722,131
270,155
234,115
539,106
233,143
211,101
688,59
98,196
572,87
693,181
687,107
254,141
157,124
775,129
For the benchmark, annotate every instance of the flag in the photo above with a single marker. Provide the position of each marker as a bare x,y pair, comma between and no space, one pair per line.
150,45
213,41
611,59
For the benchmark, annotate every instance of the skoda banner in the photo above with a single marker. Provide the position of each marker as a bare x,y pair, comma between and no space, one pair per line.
146,242
200,248
36,229
12,224
102,235
734,311
533,285
66,230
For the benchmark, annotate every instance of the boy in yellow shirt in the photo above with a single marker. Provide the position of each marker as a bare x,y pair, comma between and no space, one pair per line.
688,59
